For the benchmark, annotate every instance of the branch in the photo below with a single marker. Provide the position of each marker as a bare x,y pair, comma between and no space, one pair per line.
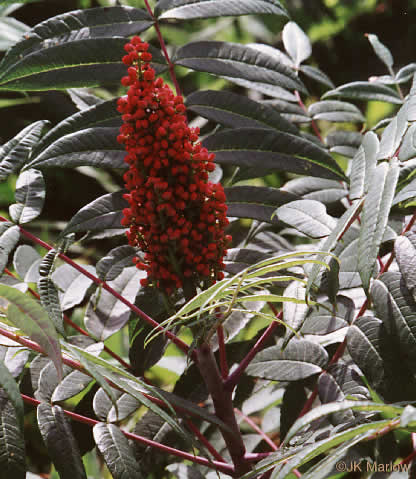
164,50
219,466
178,342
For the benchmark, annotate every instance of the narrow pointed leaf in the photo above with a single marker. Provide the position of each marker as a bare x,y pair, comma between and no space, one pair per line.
103,213
16,151
237,61
393,134
308,216
233,110
318,189
335,111
30,196
299,360
105,314
104,114
9,236
363,165
272,151
268,89
344,142
26,314
255,202
294,313
296,43
408,146
12,446
115,448
374,218
381,51
317,75
89,147
362,90
60,442
83,99
190,9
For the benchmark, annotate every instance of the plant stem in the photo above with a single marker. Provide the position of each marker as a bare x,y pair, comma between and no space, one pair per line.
204,441
254,426
164,49
233,378
220,466
178,342
222,399
313,124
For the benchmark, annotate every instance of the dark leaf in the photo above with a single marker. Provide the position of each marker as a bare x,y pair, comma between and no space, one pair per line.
10,389
126,405
71,385
14,153
12,446
235,111
118,454
82,99
109,267
316,75
317,189
299,360
272,151
30,196
294,399
89,147
49,299
257,202
321,321
62,447
236,61
102,403
291,111
335,111
362,90
103,213
190,9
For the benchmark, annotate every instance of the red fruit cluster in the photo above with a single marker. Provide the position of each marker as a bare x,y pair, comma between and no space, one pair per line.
175,215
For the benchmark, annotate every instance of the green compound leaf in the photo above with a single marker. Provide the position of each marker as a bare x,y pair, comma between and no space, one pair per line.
257,202
12,446
118,454
16,151
362,90
375,216
237,61
30,196
26,314
272,151
61,444
233,110
190,9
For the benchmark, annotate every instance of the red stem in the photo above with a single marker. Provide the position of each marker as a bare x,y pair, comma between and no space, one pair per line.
220,466
313,124
164,50
179,343
234,377
223,354
204,441
254,426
